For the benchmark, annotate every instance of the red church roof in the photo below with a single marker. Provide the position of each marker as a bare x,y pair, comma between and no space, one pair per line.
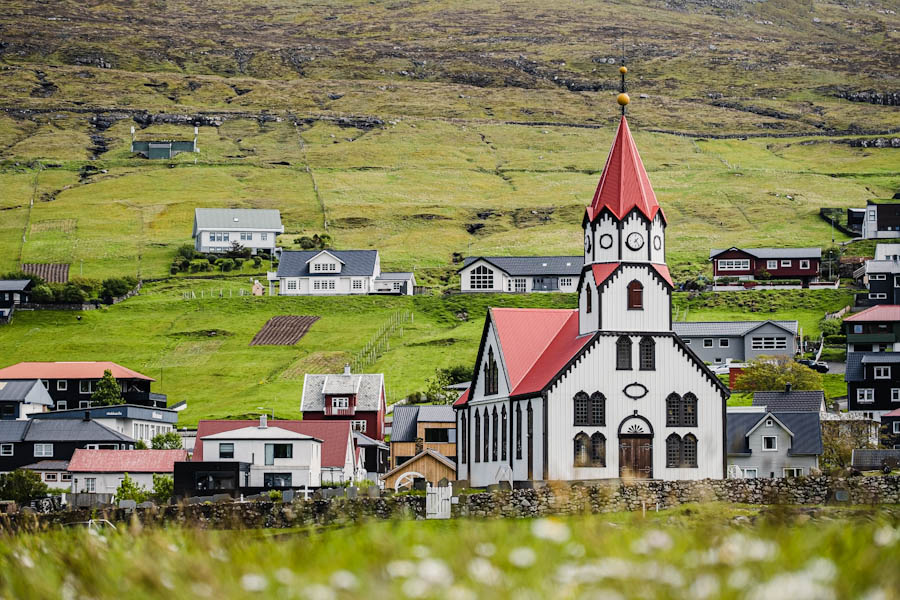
624,184
69,370
126,461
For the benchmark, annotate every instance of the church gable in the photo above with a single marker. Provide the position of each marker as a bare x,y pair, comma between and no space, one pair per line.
634,298
491,377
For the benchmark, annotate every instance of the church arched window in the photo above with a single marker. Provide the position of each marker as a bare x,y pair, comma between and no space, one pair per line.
673,410
689,451
518,431
477,435
487,436
598,450
481,278
647,354
635,295
581,408
463,438
587,296
598,409
582,450
491,375
504,426
673,451
689,410
494,440
623,353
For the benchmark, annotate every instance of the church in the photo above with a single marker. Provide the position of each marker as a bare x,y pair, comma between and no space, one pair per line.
606,390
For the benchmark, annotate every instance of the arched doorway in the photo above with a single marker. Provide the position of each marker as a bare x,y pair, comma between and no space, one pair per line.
635,448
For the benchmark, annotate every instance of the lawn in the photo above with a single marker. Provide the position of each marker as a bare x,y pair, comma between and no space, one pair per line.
695,551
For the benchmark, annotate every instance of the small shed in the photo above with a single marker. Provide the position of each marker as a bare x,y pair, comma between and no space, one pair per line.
432,466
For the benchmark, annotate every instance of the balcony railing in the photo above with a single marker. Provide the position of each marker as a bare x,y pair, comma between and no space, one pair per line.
339,412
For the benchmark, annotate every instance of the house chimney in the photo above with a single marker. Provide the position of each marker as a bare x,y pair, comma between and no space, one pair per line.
263,421
787,388
87,415
347,369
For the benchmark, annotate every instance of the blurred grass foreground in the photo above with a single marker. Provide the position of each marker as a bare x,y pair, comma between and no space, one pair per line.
694,551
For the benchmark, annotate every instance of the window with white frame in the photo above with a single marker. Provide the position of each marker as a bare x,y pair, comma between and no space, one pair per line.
793,471
49,476
687,341
786,263
357,284
330,283
65,477
359,426
708,343
768,343
62,405
896,426
895,394
90,484
877,277
565,282
733,264
43,450
771,264
750,473
317,284
62,385
397,285
84,404
340,402
896,280
804,264
246,236
770,423
872,215
481,278
264,236
865,395
85,386
519,284
6,449
882,372
291,284
769,443
878,296
723,342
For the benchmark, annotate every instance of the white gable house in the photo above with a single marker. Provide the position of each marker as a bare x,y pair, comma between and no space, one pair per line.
337,272
520,274
216,229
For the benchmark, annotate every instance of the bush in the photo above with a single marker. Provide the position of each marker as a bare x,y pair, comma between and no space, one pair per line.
163,488
239,263
43,293
226,264
305,242
186,252
200,265
117,286
22,486
72,294
167,441
129,490
257,261
275,495
835,340
92,287
830,327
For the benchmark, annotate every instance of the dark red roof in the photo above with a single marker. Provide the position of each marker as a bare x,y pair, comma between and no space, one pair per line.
463,398
881,312
69,370
335,435
126,461
624,184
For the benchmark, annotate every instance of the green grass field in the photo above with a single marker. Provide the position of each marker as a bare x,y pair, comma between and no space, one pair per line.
695,551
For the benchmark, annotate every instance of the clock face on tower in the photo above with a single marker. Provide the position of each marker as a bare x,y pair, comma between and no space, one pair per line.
587,241
606,241
635,241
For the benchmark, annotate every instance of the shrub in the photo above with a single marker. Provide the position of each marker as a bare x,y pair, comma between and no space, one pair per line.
71,293
226,264
129,490
238,263
275,495
257,261
167,441
199,265
830,327
22,486
117,286
835,339
185,252
92,287
108,391
163,488
43,293
305,242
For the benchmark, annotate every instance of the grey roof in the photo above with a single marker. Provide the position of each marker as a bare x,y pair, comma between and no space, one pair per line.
406,418
12,431
793,401
395,275
855,371
865,459
360,263
341,384
805,426
440,413
48,465
237,218
773,252
24,390
368,395
726,328
14,285
882,266
532,265
70,430
364,441
116,411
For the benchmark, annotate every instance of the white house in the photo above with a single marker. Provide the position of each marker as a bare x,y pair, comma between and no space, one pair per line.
520,274
102,471
278,458
337,272
216,229
139,422
606,390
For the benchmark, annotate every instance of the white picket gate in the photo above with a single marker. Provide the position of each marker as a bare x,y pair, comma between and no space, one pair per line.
437,502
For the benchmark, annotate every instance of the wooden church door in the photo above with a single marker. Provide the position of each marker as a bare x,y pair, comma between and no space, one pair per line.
636,456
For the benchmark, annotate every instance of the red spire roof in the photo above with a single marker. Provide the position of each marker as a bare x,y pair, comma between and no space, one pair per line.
624,184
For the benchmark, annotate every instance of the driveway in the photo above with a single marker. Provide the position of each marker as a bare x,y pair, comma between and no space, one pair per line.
837,367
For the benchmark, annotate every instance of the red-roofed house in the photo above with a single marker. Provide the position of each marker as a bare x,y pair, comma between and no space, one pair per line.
101,471
890,424
71,384
875,329
606,390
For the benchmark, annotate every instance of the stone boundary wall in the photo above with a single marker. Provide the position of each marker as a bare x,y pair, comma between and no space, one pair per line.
552,499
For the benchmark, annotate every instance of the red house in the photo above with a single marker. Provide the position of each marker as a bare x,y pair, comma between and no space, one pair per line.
767,263
358,398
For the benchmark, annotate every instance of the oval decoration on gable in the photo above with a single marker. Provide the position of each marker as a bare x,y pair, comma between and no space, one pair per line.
635,391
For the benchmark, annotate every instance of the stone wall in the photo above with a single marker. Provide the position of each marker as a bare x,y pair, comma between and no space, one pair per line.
554,499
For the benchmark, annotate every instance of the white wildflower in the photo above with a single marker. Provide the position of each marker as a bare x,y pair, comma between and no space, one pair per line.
420,551
575,550
202,590
219,554
607,568
482,571
821,569
458,592
704,586
603,594
791,586
875,594
415,588
485,549
25,560
400,568
886,536
343,580
665,574
435,572
522,557
253,583
739,579
550,529
759,550
317,591
284,576
658,540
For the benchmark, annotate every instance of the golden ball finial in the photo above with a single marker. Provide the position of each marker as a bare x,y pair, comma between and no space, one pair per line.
623,69
623,99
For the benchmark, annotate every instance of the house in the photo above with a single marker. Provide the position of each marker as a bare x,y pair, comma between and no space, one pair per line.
55,473
337,272
13,292
418,428
791,400
375,455
875,329
873,383
606,390
340,461
139,422
520,274
430,465
216,229
102,471
71,384
163,149
24,442
21,398
874,460
356,398
890,429
738,341
855,219
767,263
767,443
881,276
881,221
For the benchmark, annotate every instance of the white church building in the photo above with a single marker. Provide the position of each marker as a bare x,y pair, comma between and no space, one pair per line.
604,391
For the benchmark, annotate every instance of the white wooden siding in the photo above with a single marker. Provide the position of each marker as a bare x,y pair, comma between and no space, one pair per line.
614,302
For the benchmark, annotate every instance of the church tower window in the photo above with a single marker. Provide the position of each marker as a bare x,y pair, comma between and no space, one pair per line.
635,295
587,296
647,353
623,353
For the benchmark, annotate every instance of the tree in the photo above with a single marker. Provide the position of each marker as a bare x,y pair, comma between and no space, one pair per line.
22,486
141,445
305,242
167,441
108,391
130,490
840,438
768,373
115,287
457,373
163,488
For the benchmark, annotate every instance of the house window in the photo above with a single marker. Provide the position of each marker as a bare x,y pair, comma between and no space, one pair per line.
896,427
90,484
84,404
491,375
581,408
708,343
519,284
723,342
598,409
264,236
647,354
478,436
7,449
587,297
865,395
330,283
503,428
226,451
292,284
518,431
481,278
85,386
734,264
49,476
65,477
804,264
357,284
878,296
598,450
277,480
673,451
565,282
750,473
768,343
689,451
62,385
793,471
623,353
878,277
340,402
46,384
62,405
274,451
358,425
770,423
43,450
246,237
882,372
590,411
681,412
582,450
401,459
771,264
687,341
895,394
770,443
785,263
635,296
872,214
